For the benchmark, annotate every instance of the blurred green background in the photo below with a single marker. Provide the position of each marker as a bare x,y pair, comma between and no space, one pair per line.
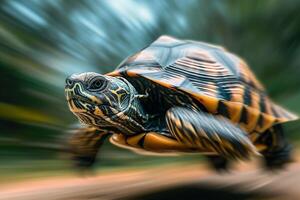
44,41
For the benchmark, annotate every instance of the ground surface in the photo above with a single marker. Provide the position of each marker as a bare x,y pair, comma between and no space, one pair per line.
166,182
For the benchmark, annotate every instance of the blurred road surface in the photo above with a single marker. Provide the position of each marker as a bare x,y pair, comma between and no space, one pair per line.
164,182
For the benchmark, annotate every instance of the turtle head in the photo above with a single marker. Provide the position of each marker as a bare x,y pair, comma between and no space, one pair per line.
95,99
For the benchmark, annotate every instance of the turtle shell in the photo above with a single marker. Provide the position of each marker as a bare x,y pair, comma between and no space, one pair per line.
218,79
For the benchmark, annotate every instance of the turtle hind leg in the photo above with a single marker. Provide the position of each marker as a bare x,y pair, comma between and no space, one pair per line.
279,151
215,133
218,163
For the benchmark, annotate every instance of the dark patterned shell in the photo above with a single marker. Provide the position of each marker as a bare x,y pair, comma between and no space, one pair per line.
218,79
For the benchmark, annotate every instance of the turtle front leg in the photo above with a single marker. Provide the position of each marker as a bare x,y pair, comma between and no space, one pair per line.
214,133
84,145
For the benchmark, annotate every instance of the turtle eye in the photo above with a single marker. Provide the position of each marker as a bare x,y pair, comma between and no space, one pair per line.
97,84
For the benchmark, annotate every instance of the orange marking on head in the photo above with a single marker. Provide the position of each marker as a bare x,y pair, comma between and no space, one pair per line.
98,112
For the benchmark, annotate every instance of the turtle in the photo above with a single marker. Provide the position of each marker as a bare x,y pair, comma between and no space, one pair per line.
179,96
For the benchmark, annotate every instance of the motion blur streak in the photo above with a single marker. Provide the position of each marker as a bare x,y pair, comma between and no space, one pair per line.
44,41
